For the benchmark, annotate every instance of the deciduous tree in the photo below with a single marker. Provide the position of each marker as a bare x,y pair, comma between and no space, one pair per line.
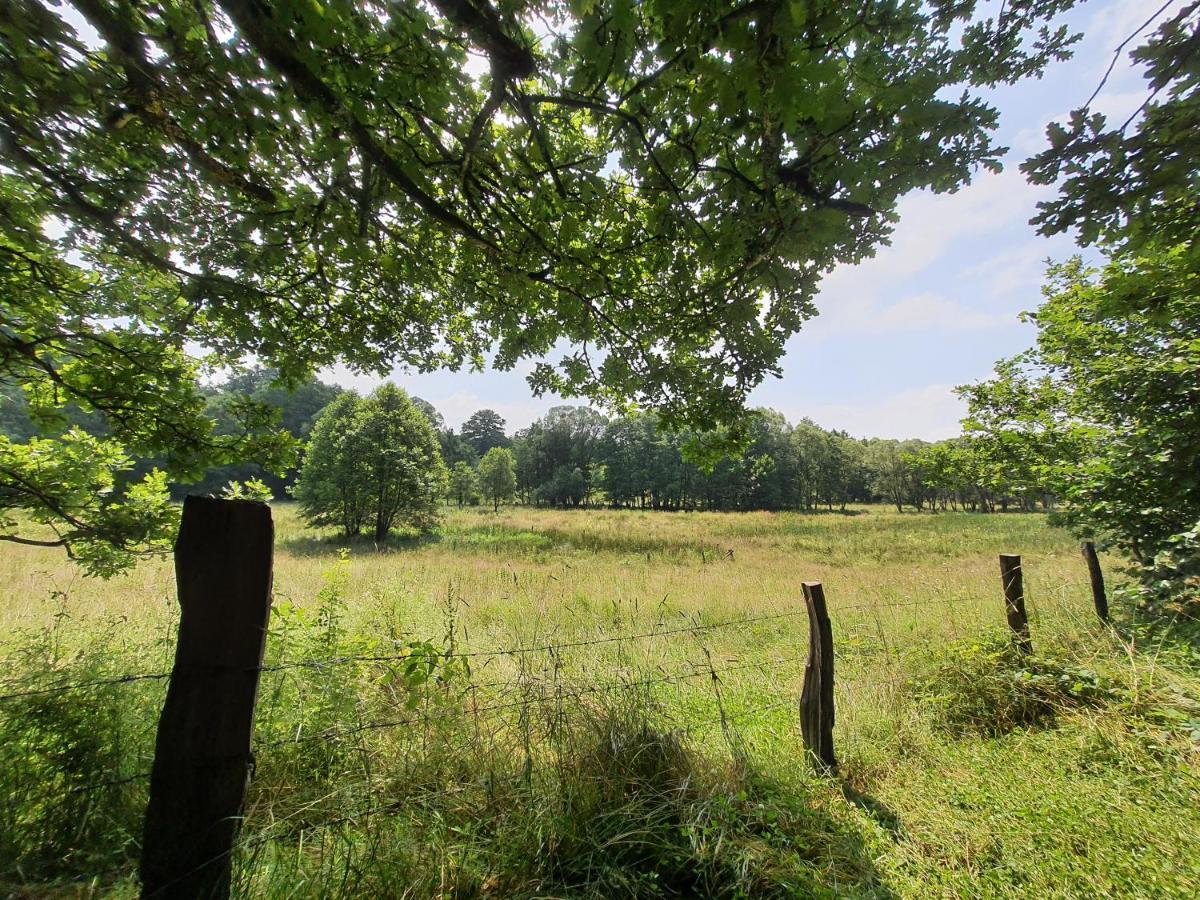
496,478
463,483
375,461
640,197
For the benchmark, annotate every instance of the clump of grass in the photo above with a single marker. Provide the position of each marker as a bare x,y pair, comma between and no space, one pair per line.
71,765
633,811
596,801
990,687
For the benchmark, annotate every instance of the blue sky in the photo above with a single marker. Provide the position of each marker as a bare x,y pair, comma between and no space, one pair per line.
936,309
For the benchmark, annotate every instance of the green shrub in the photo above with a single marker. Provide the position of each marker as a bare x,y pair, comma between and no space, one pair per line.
71,791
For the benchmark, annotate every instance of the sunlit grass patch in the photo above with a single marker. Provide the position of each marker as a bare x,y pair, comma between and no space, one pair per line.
604,703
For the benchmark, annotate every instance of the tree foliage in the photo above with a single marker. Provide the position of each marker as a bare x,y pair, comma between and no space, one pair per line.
1133,186
372,462
556,454
497,481
464,484
94,349
294,407
660,185
484,430
656,187
1105,411
429,411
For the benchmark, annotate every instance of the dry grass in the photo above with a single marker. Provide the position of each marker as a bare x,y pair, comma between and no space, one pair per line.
915,602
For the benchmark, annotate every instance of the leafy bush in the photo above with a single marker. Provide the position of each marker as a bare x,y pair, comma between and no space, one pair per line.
71,791
1170,583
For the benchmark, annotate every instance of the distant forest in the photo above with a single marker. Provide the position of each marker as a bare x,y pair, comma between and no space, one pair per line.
575,456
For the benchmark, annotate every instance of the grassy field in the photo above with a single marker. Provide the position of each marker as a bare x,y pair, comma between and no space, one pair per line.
645,742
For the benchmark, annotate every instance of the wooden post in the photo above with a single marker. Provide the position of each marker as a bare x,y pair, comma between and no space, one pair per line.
1093,563
816,700
1014,600
202,753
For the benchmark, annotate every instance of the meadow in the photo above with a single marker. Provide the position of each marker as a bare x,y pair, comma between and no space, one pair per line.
597,703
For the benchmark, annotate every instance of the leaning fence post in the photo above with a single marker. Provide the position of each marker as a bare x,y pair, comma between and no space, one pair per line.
202,753
1014,600
816,700
1093,563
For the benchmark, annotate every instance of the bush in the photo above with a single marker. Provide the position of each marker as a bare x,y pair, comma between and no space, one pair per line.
71,791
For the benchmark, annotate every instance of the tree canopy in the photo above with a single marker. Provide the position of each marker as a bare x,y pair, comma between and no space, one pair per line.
661,184
640,197
496,478
1134,185
484,430
1102,411
372,462
1105,411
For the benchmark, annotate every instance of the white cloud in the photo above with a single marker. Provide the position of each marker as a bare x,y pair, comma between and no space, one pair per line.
930,224
930,413
1013,276
930,310
868,314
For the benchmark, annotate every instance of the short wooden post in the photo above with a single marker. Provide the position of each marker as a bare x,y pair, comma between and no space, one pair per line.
202,754
1093,563
1014,600
816,700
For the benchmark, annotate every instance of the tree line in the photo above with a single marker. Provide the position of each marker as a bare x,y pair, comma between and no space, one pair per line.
575,456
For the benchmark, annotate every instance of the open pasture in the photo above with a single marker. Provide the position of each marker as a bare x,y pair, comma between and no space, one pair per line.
603,703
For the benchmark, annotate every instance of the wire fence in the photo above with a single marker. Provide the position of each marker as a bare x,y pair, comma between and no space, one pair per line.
448,655
860,637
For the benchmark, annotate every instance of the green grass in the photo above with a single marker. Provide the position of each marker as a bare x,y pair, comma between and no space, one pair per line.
624,768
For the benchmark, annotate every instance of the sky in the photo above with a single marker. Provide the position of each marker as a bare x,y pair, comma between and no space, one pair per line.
935,309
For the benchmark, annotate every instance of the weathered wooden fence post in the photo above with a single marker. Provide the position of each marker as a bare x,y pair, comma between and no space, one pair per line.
202,754
1093,563
816,700
1014,600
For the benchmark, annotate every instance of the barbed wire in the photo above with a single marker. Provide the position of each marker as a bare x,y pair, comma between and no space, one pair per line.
609,639
530,699
548,647
85,685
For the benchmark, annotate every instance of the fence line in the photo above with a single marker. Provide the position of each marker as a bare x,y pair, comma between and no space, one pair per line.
85,685
611,639
699,671
527,700
330,662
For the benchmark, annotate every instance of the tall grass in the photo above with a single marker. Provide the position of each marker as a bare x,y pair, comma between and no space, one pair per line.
666,765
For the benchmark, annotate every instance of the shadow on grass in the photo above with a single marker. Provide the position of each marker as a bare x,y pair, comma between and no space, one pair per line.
326,545
624,810
876,809
1174,629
